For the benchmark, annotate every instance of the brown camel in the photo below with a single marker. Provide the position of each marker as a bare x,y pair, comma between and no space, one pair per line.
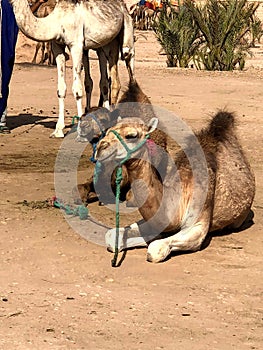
171,203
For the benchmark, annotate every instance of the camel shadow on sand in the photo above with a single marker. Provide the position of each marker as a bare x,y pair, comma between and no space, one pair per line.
23,119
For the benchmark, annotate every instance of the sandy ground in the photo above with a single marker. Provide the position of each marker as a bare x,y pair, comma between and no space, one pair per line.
59,291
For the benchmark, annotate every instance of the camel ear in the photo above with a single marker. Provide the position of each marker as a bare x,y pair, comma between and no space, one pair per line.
152,124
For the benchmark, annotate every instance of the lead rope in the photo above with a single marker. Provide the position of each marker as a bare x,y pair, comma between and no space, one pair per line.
117,215
118,188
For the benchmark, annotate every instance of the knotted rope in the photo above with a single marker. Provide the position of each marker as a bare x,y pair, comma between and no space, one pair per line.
80,210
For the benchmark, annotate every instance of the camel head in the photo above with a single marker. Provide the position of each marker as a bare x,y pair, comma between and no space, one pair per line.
126,138
93,125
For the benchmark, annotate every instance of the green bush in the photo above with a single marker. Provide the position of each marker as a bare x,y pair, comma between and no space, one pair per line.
215,36
177,34
226,27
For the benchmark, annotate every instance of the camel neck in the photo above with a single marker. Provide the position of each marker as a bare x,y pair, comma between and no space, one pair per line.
146,186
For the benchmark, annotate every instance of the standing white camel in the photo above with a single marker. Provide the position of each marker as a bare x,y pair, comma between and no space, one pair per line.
80,25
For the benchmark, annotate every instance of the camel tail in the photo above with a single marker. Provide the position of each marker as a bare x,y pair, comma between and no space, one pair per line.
221,125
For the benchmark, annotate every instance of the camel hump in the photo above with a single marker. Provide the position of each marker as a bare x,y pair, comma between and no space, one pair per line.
221,125
134,87
134,94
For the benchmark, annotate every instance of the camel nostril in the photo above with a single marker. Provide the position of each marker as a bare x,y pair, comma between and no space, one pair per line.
104,144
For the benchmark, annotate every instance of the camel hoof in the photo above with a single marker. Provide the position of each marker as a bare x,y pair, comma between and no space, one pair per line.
110,238
157,251
57,134
126,52
106,104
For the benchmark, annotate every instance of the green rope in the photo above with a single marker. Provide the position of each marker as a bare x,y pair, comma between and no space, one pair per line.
118,188
80,210
117,218
74,118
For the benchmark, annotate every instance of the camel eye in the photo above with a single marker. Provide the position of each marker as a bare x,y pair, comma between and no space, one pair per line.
131,136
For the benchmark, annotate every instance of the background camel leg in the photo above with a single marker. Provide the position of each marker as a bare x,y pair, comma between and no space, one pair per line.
114,77
88,82
104,79
77,55
110,53
50,54
34,60
127,47
43,48
59,54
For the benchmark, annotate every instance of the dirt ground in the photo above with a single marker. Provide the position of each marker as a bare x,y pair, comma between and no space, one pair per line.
59,291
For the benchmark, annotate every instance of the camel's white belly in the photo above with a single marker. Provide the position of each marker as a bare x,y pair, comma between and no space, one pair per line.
90,28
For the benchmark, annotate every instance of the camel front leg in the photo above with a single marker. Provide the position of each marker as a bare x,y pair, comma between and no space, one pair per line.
188,239
77,56
129,237
59,55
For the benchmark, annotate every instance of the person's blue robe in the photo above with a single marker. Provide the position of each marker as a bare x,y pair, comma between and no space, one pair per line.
9,31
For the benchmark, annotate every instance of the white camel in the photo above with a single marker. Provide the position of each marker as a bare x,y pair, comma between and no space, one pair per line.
109,54
80,25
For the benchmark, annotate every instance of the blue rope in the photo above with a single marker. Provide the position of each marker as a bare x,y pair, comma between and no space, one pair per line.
93,116
94,147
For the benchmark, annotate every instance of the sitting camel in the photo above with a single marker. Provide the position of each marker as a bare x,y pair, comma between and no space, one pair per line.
169,204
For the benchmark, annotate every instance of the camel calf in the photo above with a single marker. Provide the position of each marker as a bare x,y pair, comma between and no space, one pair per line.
171,204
